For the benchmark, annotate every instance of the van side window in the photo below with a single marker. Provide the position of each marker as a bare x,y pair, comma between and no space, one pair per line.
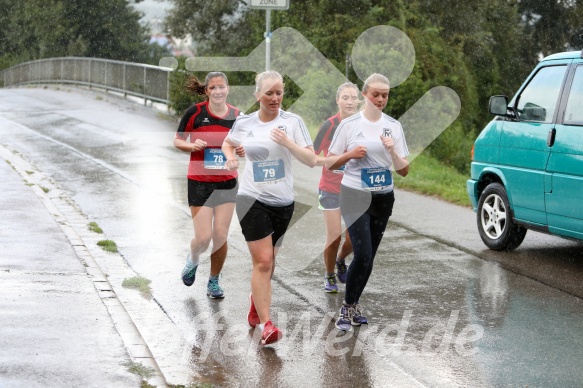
574,110
538,100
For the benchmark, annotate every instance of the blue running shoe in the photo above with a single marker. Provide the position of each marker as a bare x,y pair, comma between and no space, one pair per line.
341,271
344,322
357,318
189,272
213,290
330,285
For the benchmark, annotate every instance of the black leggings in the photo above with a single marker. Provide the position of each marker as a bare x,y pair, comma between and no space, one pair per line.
366,234
366,231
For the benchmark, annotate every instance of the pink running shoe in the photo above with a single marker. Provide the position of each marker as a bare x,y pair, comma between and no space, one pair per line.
252,316
270,334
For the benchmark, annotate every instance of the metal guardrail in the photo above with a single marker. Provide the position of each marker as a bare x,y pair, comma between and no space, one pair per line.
146,81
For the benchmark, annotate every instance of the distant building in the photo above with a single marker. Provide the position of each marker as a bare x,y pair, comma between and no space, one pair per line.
154,12
178,47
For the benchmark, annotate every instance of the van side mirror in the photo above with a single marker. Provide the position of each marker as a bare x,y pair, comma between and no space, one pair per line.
534,112
498,105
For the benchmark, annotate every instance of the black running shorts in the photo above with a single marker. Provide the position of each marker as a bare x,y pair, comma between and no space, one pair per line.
259,220
211,194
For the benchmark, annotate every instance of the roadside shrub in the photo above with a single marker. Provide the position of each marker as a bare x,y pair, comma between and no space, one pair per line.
453,147
180,98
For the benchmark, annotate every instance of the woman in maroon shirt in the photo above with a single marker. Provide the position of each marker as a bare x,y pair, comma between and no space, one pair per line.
329,190
212,189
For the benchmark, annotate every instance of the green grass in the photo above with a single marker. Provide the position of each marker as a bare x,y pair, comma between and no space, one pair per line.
139,369
92,226
108,245
44,189
10,164
428,176
139,283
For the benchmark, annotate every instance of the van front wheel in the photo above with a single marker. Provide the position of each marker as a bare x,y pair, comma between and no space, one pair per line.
497,229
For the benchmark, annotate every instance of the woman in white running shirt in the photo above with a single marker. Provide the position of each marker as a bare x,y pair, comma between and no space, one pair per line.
265,201
329,190
368,143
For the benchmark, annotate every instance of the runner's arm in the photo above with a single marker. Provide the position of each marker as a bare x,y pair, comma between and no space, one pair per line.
334,162
232,163
305,155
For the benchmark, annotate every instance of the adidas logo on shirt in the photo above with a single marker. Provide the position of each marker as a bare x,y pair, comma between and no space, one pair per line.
360,135
250,134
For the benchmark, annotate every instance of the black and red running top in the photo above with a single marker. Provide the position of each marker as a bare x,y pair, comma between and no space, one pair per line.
330,180
199,123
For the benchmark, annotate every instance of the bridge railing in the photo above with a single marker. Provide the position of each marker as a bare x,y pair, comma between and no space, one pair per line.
136,79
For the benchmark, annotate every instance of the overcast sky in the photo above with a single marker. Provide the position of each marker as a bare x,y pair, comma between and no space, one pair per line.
153,9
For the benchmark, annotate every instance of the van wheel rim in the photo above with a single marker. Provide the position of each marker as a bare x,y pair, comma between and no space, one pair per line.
493,216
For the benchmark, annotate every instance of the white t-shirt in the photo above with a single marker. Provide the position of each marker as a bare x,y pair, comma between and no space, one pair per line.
267,176
371,173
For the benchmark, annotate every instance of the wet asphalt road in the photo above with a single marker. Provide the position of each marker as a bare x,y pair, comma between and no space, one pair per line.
443,310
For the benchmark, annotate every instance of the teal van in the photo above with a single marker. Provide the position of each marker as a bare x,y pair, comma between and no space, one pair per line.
527,163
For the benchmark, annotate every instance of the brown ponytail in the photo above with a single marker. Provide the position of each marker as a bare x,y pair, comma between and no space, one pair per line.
193,85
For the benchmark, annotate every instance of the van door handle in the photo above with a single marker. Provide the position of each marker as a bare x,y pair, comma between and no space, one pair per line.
551,137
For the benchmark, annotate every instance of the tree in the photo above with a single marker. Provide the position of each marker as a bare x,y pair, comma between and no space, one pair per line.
548,22
222,27
36,29
484,47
